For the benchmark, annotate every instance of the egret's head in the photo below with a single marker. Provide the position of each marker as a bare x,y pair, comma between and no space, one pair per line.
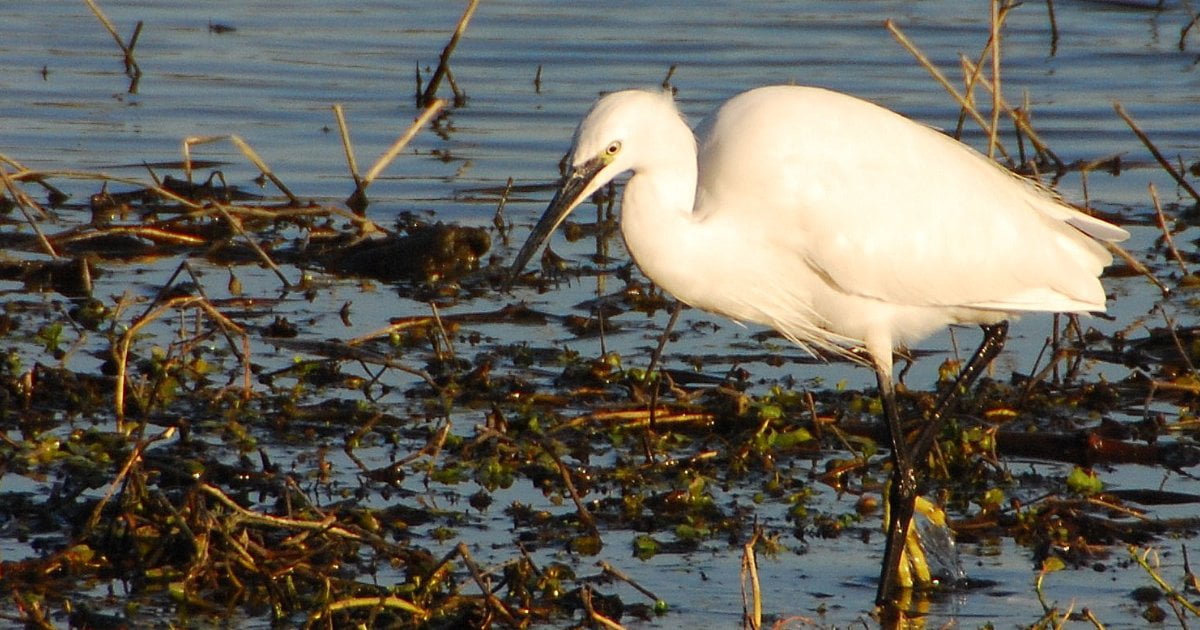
620,128
617,129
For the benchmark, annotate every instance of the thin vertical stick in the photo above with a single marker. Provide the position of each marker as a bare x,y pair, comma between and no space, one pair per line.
357,202
131,65
1162,225
1022,122
24,202
752,601
401,142
993,140
1183,183
1053,28
444,62
939,77
340,116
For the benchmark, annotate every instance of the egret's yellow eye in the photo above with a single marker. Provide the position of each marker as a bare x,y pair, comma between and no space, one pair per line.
613,148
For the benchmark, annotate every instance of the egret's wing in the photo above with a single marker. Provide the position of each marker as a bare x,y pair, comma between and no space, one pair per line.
884,207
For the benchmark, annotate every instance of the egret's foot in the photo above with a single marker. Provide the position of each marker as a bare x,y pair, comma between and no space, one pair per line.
928,534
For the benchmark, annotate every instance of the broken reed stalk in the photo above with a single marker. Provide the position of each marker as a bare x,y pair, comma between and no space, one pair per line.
1053,27
498,220
584,515
25,174
596,617
383,601
358,206
1162,225
1184,31
441,330
971,76
1172,329
135,456
996,18
1137,266
24,202
327,525
752,601
126,342
941,79
1167,166
621,575
131,66
340,116
1142,560
443,67
236,224
384,160
246,150
1022,122
493,602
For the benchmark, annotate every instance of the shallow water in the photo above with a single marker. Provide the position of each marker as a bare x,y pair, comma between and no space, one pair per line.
66,106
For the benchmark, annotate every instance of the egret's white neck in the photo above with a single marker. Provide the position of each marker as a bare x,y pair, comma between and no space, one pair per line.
657,218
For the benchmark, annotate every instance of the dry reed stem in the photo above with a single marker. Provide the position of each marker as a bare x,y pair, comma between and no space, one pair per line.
384,160
24,202
498,220
441,329
1136,265
971,75
995,19
493,602
383,601
443,68
1184,353
339,115
153,313
388,330
328,525
156,187
1166,232
1167,166
603,621
24,173
1053,27
593,615
1022,123
584,515
752,602
236,224
357,201
245,149
941,79
621,575
134,456
131,65
150,233
1169,590
636,418
1184,31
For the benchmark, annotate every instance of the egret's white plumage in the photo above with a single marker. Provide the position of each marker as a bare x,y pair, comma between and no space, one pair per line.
838,223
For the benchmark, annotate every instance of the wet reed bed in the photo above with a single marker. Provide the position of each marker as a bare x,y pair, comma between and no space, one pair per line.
193,455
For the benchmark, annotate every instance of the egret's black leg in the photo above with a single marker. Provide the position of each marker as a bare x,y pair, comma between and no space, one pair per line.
993,341
666,334
662,344
902,493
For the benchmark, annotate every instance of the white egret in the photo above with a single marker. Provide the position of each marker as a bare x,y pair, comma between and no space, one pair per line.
848,228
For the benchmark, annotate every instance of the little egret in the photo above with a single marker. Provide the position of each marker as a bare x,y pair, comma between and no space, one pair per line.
848,228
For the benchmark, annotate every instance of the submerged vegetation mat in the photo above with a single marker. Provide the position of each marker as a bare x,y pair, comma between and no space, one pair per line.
173,453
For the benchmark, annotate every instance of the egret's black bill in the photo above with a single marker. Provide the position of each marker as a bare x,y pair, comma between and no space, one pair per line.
565,200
